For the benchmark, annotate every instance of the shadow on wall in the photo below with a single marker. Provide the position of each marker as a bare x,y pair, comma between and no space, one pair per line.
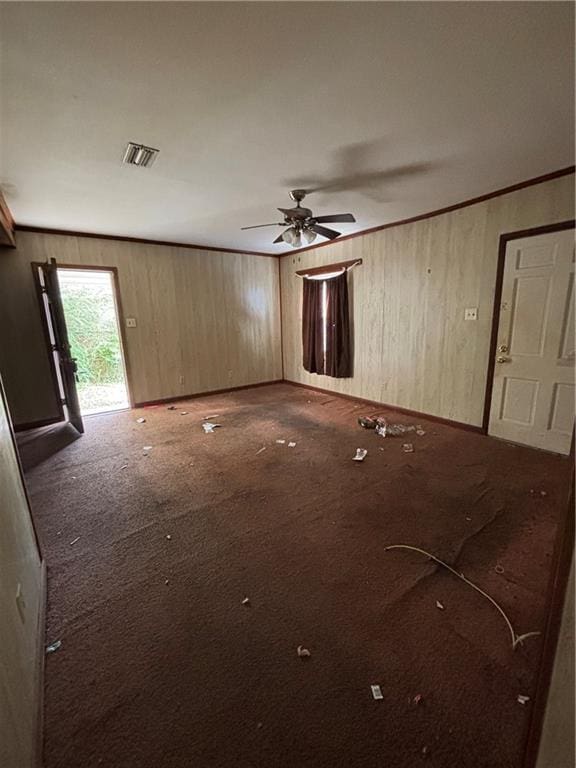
24,354
205,321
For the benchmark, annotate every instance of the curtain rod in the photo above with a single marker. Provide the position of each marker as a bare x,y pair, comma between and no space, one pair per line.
328,268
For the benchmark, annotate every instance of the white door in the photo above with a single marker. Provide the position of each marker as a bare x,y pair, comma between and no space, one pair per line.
533,388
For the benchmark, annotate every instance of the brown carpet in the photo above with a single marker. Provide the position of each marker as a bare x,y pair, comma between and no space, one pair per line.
182,675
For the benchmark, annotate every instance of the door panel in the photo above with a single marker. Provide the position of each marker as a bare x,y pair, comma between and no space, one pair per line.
65,364
567,351
529,315
519,400
533,386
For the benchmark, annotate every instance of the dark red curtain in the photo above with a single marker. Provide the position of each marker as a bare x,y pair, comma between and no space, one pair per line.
336,359
338,350
312,352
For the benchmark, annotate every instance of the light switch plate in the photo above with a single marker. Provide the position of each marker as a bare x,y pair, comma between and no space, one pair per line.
130,322
471,313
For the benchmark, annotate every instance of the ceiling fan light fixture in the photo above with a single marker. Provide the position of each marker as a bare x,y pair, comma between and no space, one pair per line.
302,225
292,237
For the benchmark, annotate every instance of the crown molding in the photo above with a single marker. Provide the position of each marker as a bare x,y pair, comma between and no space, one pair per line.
141,240
438,212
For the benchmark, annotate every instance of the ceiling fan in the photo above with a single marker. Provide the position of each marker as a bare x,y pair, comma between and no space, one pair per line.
303,225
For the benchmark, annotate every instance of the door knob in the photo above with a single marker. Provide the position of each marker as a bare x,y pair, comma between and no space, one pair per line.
502,359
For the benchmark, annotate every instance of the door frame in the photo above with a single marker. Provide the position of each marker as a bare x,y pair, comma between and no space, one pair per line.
119,315
504,240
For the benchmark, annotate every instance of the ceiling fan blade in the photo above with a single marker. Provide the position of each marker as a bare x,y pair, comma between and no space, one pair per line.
280,238
257,226
336,218
331,234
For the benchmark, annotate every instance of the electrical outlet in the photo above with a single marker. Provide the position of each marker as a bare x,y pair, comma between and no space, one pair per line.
471,313
130,322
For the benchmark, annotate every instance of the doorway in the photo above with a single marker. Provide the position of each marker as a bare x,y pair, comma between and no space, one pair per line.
92,321
532,398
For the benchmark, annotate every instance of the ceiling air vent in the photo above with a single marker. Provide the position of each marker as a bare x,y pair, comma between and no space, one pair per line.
138,154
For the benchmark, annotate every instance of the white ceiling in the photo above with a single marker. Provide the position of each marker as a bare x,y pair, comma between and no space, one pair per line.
394,108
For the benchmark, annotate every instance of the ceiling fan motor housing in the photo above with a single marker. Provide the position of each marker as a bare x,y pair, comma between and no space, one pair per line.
298,216
302,222
298,195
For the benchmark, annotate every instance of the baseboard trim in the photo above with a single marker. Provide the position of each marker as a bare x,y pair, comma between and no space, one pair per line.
40,661
387,406
149,403
36,424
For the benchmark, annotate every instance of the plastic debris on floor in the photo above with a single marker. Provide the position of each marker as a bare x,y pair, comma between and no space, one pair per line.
75,540
246,601
281,442
209,426
408,448
291,445
141,420
260,450
439,605
54,646
376,692
361,454
385,428
302,652
543,494
522,699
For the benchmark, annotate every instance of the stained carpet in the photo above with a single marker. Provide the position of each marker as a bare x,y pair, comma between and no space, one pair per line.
163,666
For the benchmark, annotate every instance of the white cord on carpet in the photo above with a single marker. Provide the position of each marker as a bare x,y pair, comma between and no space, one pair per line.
516,639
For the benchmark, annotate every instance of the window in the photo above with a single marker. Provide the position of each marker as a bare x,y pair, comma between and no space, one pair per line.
326,323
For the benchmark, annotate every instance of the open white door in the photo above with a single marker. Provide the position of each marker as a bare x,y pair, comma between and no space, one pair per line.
533,387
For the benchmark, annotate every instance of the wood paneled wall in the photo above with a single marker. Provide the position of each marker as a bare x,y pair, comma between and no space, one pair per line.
21,623
209,318
413,347
213,318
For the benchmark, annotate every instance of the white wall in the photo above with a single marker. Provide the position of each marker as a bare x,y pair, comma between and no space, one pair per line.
20,621
557,743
